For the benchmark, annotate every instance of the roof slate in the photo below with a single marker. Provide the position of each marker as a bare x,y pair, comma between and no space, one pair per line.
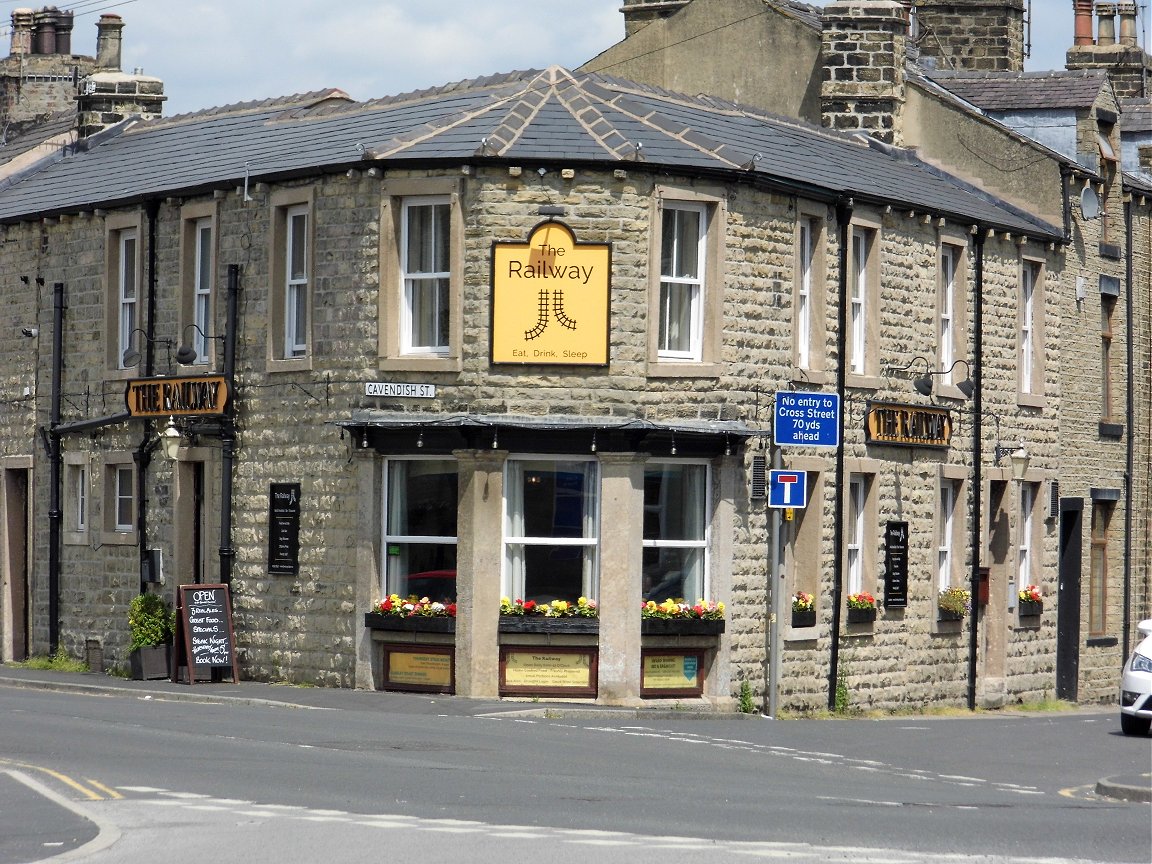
546,116
1023,91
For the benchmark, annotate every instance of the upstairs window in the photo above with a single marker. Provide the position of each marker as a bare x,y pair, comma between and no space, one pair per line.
682,267
126,283
426,273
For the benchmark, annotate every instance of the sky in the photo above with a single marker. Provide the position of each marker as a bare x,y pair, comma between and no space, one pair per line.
212,52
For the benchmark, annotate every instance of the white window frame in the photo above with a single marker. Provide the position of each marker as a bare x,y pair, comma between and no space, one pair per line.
862,242
296,285
693,284
80,498
1025,557
410,277
703,543
385,511
854,548
127,291
949,257
511,582
1026,359
946,526
807,260
203,269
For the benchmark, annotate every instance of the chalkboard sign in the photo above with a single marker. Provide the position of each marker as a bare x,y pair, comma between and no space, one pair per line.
284,528
204,636
896,564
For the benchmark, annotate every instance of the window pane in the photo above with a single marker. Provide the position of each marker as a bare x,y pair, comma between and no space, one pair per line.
298,246
429,312
674,502
421,502
124,498
676,313
551,501
680,243
422,498
673,573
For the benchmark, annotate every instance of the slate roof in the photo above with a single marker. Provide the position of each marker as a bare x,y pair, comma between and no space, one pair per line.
1135,115
1024,91
516,118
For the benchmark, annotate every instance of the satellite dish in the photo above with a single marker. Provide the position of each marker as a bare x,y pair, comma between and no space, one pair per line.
1089,203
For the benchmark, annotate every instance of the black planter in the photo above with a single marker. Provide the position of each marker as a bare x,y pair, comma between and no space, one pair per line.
948,615
861,616
414,623
681,627
541,624
804,618
149,663
1031,608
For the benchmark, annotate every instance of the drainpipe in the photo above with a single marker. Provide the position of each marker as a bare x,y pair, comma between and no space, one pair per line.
143,455
1129,421
228,428
844,217
55,460
1066,201
977,456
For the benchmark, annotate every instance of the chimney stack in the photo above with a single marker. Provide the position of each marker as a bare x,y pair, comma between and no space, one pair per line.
64,33
108,41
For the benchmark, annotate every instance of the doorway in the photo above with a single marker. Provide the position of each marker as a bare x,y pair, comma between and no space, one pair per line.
15,567
1068,598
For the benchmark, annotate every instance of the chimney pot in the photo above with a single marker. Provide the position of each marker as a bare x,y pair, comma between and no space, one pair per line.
1128,33
1083,33
1106,24
108,34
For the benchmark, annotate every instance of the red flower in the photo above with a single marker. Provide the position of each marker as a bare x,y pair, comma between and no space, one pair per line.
529,605
452,609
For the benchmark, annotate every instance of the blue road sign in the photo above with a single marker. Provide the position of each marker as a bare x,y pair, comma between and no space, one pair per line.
806,419
788,489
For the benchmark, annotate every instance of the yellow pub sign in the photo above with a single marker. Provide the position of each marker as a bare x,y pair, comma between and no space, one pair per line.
176,396
550,299
907,425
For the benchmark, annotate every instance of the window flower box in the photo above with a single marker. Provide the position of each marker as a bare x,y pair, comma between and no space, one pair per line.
681,626
546,624
949,615
410,623
803,617
1031,608
861,616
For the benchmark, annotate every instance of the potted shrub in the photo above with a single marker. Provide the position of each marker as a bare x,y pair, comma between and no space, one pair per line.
861,608
953,604
1031,601
151,623
803,609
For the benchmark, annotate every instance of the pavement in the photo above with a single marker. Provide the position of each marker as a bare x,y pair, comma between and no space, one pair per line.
1134,787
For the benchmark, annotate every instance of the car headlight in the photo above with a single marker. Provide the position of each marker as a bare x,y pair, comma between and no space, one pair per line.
1140,663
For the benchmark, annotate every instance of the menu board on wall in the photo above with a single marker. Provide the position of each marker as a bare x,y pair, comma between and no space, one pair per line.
204,636
284,529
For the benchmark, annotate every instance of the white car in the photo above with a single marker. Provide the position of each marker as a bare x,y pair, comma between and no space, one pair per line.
1136,685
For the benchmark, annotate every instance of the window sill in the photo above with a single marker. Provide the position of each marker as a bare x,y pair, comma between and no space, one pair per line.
1031,400
864,382
296,364
1111,430
810,376
1102,642
660,369
801,634
419,363
1110,250
75,538
118,538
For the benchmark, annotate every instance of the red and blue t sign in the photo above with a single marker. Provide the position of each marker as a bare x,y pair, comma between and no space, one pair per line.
788,489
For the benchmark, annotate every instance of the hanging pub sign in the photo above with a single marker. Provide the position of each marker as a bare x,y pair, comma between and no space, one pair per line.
907,425
189,396
895,564
550,299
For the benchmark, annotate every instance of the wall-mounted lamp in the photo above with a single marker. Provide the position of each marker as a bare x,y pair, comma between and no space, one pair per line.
30,332
925,382
131,355
194,352
1018,457
171,439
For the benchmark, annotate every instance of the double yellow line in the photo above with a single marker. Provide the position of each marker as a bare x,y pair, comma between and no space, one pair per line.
91,790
